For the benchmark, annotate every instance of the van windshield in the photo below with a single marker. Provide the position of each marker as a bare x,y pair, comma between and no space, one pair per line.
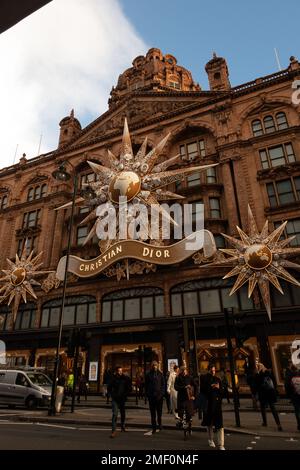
39,379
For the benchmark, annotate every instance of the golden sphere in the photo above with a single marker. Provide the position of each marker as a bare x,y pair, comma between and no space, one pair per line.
258,256
125,184
18,276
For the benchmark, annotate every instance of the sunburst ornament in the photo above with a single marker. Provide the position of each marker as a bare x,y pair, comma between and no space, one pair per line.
260,258
137,179
18,279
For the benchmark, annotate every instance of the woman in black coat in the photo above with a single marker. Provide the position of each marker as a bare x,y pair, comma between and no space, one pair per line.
185,387
211,387
265,388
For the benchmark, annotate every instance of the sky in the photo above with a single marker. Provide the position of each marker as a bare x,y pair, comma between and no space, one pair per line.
70,53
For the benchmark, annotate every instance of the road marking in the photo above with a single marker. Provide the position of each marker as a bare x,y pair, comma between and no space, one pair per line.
249,448
54,426
257,437
253,442
291,439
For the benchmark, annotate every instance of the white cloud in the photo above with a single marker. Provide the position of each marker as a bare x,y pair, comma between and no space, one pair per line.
66,55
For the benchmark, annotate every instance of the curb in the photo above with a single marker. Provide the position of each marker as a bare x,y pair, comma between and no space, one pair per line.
232,430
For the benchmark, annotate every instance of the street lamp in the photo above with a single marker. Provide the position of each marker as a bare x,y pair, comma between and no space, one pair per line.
61,174
228,311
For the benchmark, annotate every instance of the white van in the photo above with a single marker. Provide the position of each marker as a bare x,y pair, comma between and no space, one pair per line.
24,387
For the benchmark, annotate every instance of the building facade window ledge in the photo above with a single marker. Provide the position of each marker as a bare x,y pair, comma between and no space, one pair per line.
284,208
282,170
29,231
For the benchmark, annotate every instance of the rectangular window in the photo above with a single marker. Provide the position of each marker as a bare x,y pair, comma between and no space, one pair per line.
210,301
211,175
88,178
276,156
159,306
176,305
31,244
92,313
69,315
82,233
81,313
190,302
54,316
132,309
284,191
192,150
117,310
147,307
45,318
31,219
193,180
292,228
214,208
106,307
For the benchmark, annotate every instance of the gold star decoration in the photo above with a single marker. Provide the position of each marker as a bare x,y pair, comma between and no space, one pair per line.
18,279
140,179
260,258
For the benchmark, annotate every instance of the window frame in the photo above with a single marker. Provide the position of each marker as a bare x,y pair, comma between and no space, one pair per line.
268,160
54,304
276,194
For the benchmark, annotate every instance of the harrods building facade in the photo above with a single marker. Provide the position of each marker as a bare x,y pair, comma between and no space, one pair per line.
253,132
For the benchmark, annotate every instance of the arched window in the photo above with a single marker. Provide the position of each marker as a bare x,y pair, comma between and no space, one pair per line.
26,316
257,128
37,192
269,124
78,310
133,304
207,296
281,121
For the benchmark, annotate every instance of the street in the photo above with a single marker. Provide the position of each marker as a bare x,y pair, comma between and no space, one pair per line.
44,436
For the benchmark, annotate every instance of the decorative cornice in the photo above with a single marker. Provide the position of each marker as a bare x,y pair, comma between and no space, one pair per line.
278,171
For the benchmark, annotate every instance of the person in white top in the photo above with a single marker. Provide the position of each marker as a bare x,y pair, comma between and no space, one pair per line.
171,390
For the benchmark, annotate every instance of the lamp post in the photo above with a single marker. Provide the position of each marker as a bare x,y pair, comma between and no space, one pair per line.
62,175
231,362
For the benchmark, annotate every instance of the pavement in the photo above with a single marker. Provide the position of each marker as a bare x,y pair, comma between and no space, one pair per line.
95,412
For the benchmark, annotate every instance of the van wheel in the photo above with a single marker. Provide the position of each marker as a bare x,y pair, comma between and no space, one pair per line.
31,403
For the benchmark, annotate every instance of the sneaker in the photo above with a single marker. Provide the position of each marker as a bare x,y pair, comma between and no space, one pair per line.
113,434
211,443
123,429
153,431
221,448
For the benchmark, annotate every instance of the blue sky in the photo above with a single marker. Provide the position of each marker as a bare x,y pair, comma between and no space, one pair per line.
70,53
244,32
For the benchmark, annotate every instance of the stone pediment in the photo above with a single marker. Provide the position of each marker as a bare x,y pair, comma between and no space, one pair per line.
136,110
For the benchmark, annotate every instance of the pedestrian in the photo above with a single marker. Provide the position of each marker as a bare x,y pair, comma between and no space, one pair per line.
185,387
211,387
155,390
119,389
82,388
167,395
225,384
60,388
250,378
293,391
106,380
171,390
265,387
70,383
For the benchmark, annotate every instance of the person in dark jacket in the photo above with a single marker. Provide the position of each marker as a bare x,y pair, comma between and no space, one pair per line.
82,388
265,388
292,386
185,387
118,388
155,391
211,387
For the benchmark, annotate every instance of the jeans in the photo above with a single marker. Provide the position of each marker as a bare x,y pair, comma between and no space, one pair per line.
116,406
156,411
219,433
273,410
